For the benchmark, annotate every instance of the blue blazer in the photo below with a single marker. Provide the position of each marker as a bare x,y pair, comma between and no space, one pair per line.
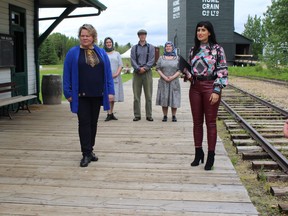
71,81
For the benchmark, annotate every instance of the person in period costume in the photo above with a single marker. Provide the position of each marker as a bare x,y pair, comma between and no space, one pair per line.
142,60
209,77
169,91
116,67
87,85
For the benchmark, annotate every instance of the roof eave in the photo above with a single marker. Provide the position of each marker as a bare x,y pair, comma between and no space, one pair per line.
97,4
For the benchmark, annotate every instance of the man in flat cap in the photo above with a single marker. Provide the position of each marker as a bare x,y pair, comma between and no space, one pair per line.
142,60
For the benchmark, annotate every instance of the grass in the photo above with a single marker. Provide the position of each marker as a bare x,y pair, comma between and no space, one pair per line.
58,70
258,71
252,71
258,190
48,70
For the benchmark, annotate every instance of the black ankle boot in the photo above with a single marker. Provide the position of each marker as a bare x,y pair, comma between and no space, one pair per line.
199,155
210,160
109,117
113,117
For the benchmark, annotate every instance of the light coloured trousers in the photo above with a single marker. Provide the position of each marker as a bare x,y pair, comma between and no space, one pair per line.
142,80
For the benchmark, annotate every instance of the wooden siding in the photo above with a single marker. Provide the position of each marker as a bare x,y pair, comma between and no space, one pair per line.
28,5
5,75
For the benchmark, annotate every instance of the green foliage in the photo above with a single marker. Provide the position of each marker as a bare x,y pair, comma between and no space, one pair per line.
258,68
126,77
71,42
276,18
59,42
55,47
101,44
261,175
259,71
53,50
50,69
276,27
122,49
128,45
47,53
161,50
58,69
116,45
254,30
270,36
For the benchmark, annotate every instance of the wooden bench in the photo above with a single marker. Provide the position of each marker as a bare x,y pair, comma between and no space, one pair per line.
20,100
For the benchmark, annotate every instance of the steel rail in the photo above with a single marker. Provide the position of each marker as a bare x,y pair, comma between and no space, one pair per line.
266,103
270,149
274,81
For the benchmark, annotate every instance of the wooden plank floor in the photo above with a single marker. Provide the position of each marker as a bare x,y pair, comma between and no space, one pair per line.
143,168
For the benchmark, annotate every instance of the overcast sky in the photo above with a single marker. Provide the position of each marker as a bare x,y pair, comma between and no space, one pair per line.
123,18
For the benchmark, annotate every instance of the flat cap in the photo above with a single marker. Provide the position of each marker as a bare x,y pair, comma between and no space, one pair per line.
142,31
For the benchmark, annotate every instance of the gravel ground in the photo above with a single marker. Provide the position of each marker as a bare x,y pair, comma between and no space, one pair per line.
259,195
276,94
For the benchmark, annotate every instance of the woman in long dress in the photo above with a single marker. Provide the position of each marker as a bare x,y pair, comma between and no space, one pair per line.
168,92
116,67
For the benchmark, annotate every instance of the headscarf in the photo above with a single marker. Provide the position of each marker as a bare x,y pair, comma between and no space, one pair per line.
105,47
173,53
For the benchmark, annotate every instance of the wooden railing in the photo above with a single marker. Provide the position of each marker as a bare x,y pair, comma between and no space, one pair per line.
241,59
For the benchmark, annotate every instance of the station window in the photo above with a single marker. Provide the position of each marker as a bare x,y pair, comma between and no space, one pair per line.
15,18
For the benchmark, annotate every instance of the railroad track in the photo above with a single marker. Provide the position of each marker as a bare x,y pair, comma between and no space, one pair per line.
256,130
274,81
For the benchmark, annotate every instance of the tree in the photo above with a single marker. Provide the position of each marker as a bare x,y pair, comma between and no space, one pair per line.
276,27
101,44
59,40
57,44
47,53
116,45
128,45
71,42
254,30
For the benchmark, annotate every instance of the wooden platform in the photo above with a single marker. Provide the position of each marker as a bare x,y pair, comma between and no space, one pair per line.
143,168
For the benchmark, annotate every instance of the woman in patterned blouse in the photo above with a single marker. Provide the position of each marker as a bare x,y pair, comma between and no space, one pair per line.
208,76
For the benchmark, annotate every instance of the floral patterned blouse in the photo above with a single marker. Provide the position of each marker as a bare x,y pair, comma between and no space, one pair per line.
210,61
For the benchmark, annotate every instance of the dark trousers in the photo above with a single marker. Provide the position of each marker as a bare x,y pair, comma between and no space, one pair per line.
88,114
199,95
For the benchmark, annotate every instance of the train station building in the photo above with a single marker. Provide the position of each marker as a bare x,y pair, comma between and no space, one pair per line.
183,16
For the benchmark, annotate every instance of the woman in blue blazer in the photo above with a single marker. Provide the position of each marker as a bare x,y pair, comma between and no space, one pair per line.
87,85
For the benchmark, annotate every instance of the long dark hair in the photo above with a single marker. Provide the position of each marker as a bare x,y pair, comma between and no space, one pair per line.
211,39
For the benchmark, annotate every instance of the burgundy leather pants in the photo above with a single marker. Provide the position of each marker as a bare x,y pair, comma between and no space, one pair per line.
199,95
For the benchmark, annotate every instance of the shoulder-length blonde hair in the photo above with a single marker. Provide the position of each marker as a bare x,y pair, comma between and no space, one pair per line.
92,31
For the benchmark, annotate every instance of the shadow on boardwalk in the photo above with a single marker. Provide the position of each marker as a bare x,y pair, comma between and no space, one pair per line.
143,168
